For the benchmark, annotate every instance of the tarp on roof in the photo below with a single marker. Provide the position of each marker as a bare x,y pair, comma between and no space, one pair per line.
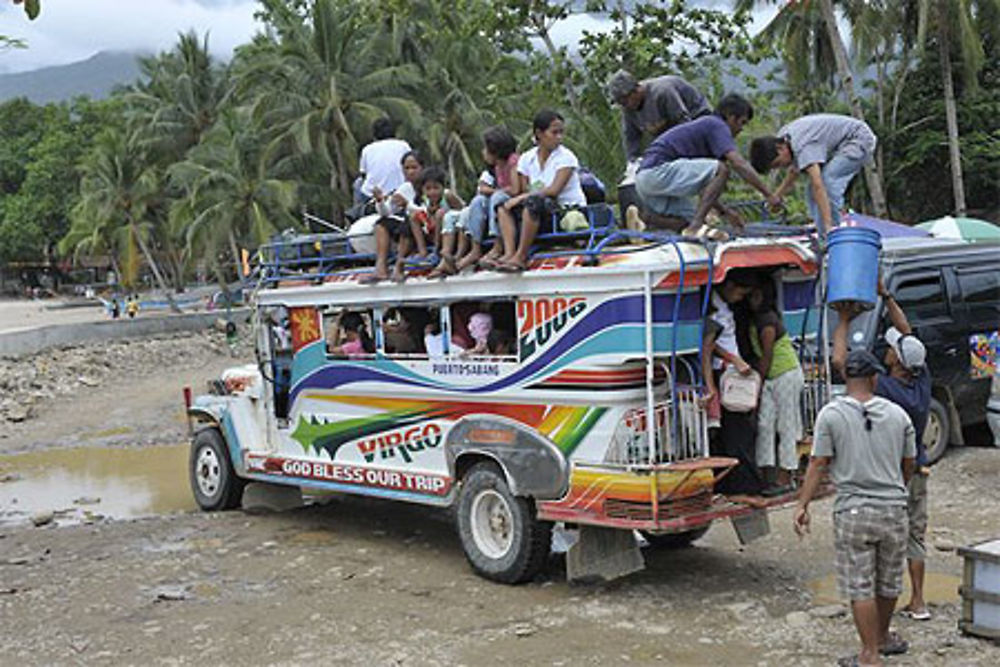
887,229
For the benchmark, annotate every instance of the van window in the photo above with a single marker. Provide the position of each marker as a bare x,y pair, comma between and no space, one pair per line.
980,287
348,333
923,299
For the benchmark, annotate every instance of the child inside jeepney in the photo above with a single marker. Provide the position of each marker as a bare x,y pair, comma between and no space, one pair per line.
480,326
356,340
400,221
735,436
550,182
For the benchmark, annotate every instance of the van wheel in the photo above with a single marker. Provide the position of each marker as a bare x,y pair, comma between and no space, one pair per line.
213,480
500,534
938,432
675,540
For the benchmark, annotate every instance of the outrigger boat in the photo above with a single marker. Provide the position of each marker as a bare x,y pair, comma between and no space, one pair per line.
593,418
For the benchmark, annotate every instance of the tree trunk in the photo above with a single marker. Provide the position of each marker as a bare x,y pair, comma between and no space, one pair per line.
950,113
152,265
872,176
237,260
543,33
451,171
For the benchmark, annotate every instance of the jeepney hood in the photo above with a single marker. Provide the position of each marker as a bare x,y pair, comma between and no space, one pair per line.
240,382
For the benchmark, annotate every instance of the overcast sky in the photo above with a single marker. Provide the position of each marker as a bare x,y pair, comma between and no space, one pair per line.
72,30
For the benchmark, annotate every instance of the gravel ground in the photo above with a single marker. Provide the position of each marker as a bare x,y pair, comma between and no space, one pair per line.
351,581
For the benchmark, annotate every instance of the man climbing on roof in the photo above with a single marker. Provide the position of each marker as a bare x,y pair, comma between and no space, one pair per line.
830,149
652,106
696,158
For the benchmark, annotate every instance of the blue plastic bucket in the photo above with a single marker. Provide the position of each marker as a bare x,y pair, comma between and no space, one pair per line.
852,265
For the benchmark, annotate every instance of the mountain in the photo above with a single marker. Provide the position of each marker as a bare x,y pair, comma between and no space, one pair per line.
96,76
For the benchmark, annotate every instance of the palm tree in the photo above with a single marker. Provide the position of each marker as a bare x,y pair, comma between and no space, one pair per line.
231,198
807,30
321,86
182,96
116,188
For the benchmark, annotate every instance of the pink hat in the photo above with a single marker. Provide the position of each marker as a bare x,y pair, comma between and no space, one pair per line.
480,325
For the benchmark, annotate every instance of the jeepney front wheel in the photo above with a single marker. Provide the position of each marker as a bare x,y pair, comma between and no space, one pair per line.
500,534
213,480
675,540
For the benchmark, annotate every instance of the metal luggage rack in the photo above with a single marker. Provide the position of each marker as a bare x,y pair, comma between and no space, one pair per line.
322,255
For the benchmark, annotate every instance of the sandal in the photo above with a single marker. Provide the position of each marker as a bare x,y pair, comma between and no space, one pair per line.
511,267
371,279
894,645
488,264
712,233
918,615
849,661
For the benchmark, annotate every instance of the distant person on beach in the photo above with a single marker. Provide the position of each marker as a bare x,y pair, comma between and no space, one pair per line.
132,306
830,149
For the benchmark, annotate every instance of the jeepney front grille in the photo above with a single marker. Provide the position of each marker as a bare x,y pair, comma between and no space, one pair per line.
680,430
672,509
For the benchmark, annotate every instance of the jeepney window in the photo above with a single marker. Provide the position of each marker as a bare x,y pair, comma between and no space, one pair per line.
484,329
348,333
404,329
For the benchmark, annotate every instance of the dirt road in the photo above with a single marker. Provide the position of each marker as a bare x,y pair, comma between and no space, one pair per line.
350,581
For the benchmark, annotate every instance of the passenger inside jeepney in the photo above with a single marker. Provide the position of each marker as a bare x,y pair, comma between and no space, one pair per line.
500,343
403,329
349,336
726,344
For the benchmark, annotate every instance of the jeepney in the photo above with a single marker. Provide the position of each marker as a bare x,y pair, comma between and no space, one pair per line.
591,415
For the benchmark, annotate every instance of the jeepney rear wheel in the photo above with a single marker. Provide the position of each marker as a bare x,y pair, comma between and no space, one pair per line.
675,540
213,480
501,536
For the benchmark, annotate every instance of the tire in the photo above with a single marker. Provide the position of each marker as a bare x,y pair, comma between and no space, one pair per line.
213,480
675,540
937,432
500,534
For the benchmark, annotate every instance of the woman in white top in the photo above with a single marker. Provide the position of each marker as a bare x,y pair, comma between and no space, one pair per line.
549,180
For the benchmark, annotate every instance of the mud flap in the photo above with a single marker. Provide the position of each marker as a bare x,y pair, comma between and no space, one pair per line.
263,497
752,526
603,554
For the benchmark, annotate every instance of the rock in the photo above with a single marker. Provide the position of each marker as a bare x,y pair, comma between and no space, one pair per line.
828,611
19,413
9,477
524,630
43,517
740,610
87,381
797,619
87,500
945,544
171,593
17,560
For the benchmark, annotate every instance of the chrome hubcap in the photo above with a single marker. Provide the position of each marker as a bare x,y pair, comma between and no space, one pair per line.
208,471
492,524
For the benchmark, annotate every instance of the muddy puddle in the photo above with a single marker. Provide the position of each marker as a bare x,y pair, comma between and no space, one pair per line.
938,589
83,484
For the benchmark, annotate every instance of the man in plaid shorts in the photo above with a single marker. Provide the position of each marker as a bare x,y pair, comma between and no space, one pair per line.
868,445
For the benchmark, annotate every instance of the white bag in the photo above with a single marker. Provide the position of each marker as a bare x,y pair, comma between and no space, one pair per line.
362,234
739,392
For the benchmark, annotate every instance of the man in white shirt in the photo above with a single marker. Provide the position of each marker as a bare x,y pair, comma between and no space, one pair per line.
381,160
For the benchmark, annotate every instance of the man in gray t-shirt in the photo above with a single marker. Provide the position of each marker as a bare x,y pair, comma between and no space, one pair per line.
652,106
830,149
868,445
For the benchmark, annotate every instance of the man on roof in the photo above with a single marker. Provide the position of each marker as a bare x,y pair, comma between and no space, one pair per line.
830,149
695,158
651,106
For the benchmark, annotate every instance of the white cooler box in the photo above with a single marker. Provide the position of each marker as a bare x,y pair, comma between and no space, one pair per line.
980,589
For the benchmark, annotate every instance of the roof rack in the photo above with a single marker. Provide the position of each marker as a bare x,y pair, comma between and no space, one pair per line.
319,256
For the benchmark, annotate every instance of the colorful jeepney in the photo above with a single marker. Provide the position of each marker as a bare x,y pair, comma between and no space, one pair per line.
592,416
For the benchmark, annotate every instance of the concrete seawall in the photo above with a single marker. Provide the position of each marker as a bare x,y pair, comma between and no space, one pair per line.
28,341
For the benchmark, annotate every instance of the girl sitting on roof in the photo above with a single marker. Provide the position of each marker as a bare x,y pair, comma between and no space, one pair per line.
400,221
550,182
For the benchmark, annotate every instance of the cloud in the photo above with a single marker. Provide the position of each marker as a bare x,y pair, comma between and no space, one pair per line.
71,30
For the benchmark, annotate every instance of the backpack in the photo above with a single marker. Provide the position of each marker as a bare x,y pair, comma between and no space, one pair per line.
593,188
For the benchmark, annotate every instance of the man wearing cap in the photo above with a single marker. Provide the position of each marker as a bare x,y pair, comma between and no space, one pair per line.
907,384
868,445
651,106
